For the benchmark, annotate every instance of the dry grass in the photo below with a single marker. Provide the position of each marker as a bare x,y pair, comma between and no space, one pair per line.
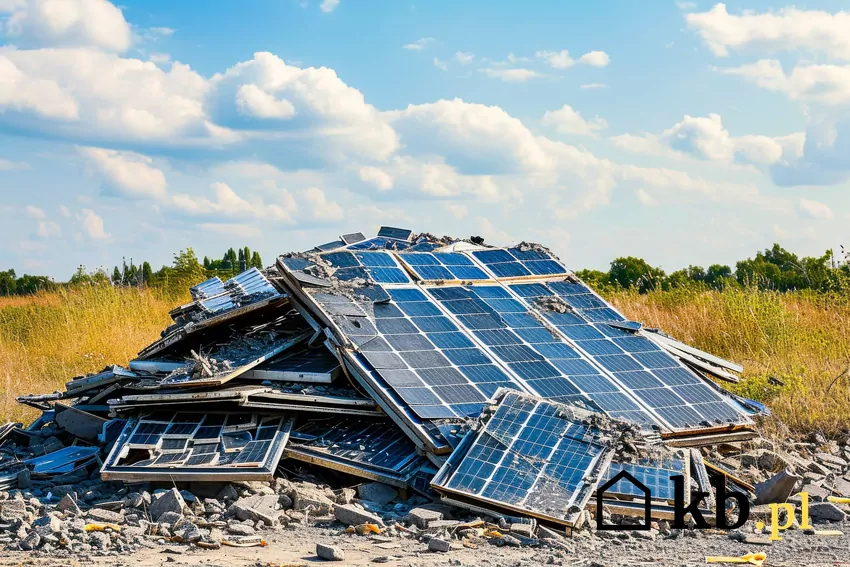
801,339
804,340
48,338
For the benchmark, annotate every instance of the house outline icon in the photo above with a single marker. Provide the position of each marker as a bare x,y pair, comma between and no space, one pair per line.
600,491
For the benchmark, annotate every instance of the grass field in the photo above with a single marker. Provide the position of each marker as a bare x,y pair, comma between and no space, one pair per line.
801,339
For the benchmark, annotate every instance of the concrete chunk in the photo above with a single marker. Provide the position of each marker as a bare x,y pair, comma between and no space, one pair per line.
422,517
329,553
377,492
825,512
68,505
260,507
170,501
101,515
437,544
351,515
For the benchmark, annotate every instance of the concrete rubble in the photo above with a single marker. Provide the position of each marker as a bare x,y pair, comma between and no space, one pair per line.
277,399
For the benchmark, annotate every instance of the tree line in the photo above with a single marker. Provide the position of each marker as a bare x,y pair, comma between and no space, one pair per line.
772,269
184,271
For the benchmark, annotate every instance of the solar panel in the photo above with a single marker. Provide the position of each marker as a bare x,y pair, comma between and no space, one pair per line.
392,232
655,476
380,243
376,266
659,381
531,456
443,266
543,360
519,262
207,453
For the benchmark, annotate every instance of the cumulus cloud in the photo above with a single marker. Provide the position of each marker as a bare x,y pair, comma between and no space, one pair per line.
92,225
441,65
66,23
562,59
706,138
474,138
34,212
517,75
319,207
419,44
226,205
784,30
567,120
464,58
126,174
826,84
645,198
376,177
814,209
328,6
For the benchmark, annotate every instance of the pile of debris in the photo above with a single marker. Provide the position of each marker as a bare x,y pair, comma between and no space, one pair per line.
439,372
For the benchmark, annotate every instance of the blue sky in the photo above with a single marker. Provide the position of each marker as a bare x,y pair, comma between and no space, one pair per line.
680,132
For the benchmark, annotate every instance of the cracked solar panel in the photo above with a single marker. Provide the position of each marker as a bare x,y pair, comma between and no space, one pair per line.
443,266
531,456
654,475
676,395
368,448
377,266
217,448
547,365
519,262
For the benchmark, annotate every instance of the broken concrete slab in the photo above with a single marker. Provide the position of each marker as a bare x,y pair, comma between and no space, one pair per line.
169,501
107,516
352,515
777,488
377,492
440,545
329,553
260,507
825,512
422,517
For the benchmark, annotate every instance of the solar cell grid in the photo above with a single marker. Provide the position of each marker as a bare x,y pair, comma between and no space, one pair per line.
378,266
530,455
651,374
443,266
514,262
654,476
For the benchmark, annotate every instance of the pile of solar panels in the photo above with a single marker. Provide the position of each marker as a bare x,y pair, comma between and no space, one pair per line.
491,376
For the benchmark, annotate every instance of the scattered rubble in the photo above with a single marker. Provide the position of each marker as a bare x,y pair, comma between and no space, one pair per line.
403,388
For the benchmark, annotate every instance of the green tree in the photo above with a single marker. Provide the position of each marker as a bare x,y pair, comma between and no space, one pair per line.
28,285
116,276
256,261
630,272
718,276
147,273
80,277
8,283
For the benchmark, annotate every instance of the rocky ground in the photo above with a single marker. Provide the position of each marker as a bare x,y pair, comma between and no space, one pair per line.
300,523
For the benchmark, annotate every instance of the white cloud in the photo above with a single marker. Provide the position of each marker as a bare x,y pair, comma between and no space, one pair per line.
594,86
563,60
595,59
161,31
706,138
567,120
34,212
785,30
685,6
47,229
472,137
253,101
67,23
226,205
440,64
328,5
65,211
159,58
827,84
511,75
557,59
814,209
456,210
464,58
92,225
419,44
645,198
376,177
126,174
319,207
8,165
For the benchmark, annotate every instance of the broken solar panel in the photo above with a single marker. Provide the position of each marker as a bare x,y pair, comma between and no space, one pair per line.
519,262
305,365
377,266
440,266
654,475
367,448
676,395
531,457
186,446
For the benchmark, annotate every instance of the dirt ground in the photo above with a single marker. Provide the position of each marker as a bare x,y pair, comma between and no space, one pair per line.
296,546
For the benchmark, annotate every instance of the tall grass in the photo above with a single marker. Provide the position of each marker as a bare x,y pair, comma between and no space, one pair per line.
47,339
803,340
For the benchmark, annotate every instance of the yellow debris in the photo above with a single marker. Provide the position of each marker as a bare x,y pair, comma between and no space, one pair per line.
756,559
838,499
102,527
364,529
